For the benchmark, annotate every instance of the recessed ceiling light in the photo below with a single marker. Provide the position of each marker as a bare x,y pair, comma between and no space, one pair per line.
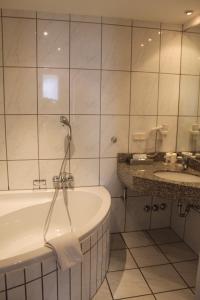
45,33
141,45
150,40
189,12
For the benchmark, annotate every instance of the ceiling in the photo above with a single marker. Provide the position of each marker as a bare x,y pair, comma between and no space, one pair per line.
170,11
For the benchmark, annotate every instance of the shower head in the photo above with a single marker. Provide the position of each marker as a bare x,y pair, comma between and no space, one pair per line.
65,122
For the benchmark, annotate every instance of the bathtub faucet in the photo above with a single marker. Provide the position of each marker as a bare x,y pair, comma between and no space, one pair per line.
65,180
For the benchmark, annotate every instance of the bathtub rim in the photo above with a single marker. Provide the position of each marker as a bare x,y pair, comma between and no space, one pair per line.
41,253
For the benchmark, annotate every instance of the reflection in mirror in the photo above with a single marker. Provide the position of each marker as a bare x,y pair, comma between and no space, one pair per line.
188,137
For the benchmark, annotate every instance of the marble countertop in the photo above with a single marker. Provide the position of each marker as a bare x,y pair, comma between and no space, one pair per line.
141,178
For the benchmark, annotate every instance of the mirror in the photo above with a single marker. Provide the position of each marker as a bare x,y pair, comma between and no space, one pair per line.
188,132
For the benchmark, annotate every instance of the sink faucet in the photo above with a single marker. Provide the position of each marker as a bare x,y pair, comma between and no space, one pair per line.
185,162
65,180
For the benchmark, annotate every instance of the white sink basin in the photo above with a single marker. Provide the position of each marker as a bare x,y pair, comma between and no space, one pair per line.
176,176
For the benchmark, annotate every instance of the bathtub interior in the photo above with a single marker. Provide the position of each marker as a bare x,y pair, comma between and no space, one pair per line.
23,217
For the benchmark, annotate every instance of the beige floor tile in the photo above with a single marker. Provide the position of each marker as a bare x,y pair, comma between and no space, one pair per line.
178,252
121,260
103,293
188,271
177,295
137,239
148,297
127,283
148,256
164,235
163,278
117,242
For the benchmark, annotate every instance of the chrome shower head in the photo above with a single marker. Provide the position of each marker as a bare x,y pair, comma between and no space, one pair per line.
65,122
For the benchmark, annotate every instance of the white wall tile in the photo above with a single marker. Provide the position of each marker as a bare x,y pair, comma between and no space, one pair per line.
21,133
114,126
53,44
168,98
49,265
167,143
142,125
2,282
190,54
161,218
85,171
50,286
189,94
168,26
170,56
85,45
34,290
117,215
99,262
108,176
0,45
145,50
3,176
2,139
22,174
76,282
87,19
116,21
191,233
53,91
1,91
177,222
33,271
52,16
185,141
86,276
52,137
19,42
116,47
136,217
115,92
85,142
63,284
16,293
146,24
20,91
15,278
50,168
144,100
18,13
84,92
93,270
2,295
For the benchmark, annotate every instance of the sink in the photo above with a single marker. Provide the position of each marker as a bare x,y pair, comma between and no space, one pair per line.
177,176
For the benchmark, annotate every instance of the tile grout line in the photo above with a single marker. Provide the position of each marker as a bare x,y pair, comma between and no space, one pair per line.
179,92
37,93
100,96
171,263
138,266
158,90
4,101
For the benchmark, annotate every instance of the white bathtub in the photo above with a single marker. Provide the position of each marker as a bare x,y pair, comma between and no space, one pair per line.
24,261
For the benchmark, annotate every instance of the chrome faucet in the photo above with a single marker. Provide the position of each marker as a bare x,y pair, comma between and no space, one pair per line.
65,180
185,163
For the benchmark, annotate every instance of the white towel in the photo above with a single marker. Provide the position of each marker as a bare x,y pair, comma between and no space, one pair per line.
67,250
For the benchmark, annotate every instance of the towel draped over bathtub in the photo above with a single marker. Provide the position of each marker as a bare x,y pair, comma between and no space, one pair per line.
67,250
